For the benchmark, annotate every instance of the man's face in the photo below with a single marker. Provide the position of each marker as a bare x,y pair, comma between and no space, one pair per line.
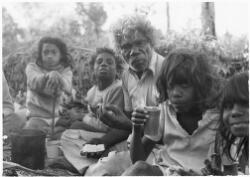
136,50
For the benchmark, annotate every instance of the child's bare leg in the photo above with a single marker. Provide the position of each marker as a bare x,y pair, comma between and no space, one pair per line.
142,168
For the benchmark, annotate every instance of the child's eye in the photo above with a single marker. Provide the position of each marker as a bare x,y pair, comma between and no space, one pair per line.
228,106
185,85
45,52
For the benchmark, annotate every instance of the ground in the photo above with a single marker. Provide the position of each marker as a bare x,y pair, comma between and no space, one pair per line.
16,171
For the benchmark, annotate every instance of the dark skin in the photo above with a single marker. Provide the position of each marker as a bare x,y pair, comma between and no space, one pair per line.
137,51
115,118
105,71
189,121
180,96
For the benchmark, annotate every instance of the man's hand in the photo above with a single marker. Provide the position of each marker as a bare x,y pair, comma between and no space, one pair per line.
112,116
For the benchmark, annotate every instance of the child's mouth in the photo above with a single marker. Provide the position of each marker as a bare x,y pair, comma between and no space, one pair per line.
239,125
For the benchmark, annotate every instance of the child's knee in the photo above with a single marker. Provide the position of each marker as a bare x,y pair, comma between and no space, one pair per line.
138,169
37,124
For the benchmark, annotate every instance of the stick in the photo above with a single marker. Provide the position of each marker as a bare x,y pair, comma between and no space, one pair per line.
53,116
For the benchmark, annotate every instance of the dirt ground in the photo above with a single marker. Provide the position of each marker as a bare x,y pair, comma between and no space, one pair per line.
9,170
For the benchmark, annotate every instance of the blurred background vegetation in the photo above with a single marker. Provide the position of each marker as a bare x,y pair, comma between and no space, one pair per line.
229,53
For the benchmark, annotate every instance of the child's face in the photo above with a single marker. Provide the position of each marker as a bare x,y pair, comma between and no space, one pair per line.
50,55
181,97
105,66
236,117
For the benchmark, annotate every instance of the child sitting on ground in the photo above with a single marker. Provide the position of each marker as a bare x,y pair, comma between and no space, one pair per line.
107,90
232,142
187,89
47,79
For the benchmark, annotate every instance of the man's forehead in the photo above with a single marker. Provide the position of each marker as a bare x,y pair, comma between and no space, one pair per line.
131,36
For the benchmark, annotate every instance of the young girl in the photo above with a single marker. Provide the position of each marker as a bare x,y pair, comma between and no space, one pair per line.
106,91
233,139
187,90
47,79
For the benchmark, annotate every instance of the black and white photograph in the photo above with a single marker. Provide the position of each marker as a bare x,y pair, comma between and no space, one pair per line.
125,88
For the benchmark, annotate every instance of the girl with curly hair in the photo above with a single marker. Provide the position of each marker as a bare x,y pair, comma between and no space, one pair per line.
47,79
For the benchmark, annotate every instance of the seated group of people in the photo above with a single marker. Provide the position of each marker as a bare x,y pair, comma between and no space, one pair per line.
202,128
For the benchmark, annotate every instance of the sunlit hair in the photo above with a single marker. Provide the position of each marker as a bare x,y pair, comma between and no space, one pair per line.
128,25
118,61
183,66
66,59
235,91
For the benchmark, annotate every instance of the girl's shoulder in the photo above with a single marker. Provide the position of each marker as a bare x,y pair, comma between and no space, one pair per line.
212,115
32,64
212,111
33,67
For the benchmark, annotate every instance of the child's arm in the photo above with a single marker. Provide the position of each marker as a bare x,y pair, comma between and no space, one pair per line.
66,78
113,106
140,147
115,118
36,80
111,138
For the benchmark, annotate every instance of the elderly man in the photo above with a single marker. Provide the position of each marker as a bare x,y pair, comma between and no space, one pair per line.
134,39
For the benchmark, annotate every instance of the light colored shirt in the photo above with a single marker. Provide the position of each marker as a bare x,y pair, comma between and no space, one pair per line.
141,92
39,103
111,95
180,148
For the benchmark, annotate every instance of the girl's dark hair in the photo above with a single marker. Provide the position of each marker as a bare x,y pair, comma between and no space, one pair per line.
191,67
66,59
119,62
235,91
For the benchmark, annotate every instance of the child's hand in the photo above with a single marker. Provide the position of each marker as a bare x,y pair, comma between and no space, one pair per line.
139,116
57,132
94,109
112,116
54,81
209,170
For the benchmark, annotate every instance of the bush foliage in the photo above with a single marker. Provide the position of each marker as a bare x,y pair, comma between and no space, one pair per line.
228,54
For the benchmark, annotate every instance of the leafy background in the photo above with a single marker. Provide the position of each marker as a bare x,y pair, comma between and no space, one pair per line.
228,53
